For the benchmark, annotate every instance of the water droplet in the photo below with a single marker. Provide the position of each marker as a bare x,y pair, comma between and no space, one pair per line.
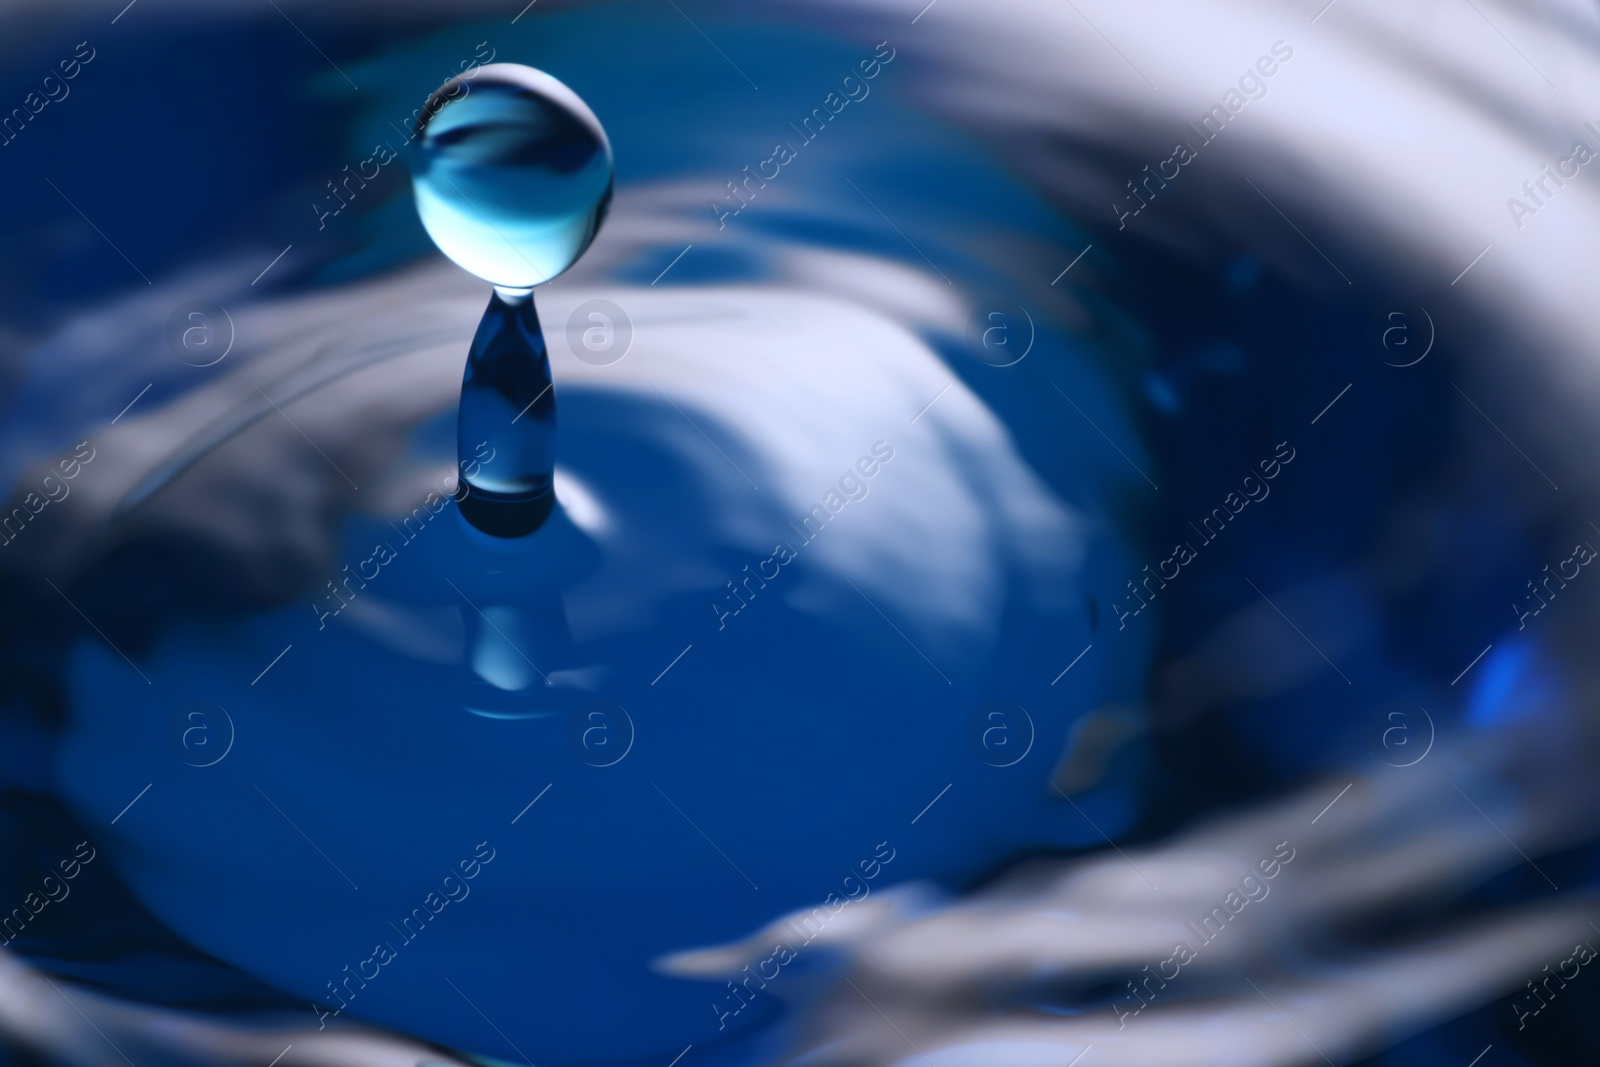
512,174
506,424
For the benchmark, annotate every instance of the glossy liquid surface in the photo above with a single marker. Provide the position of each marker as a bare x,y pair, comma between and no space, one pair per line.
505,432
512,174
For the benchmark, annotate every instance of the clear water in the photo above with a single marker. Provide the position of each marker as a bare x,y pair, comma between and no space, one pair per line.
415,724
506,425
512,174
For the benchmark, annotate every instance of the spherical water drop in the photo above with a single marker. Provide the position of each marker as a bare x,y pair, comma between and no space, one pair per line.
512,174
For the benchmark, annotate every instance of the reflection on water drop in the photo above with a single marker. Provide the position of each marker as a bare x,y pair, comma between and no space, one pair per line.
512,174
506,428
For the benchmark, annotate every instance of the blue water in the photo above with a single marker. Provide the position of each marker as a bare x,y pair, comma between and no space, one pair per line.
506,424
794,742
512,174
